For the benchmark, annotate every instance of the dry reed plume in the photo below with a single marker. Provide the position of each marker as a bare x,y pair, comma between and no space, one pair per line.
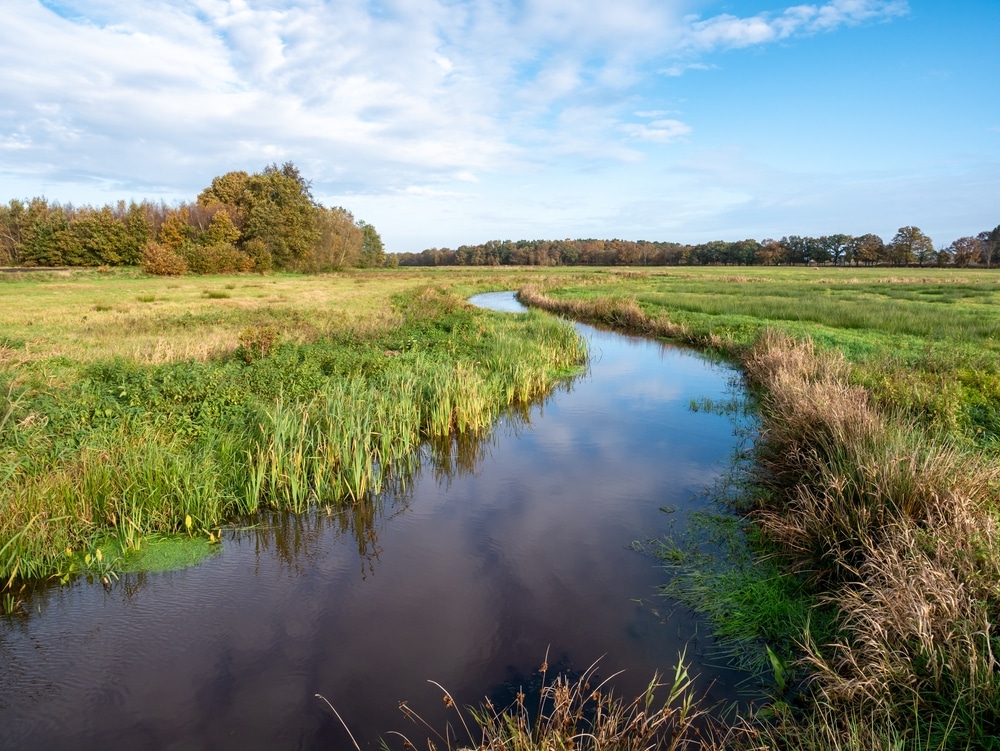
581,714
896,526
900,529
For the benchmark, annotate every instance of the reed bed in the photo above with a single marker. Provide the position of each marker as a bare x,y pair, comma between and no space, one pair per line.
118,450
572,712
886,517
898,528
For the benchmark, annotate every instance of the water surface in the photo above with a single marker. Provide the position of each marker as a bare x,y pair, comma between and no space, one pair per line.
467,578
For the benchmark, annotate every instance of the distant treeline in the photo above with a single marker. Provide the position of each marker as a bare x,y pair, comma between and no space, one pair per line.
241,222
910,246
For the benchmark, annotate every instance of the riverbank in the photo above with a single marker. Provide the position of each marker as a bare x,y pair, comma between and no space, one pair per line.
464,576
137,407
876,483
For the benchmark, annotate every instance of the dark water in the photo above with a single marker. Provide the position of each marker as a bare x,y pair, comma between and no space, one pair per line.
522,544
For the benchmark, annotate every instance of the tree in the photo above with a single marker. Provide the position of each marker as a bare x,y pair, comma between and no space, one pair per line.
770,253
372,250
274,207
229,189
103,240
340,241
280,211
13,221
909,245
864,250
990,246
835,247
47,238
221,229
797,249
176,230
965,251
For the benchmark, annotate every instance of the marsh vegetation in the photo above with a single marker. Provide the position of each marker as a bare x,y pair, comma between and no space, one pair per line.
172,408
874,487
135,407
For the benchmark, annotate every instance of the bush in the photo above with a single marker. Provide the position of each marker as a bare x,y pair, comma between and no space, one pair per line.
257,251
221,258
161,260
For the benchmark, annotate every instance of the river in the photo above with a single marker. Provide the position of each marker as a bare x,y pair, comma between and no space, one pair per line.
518,545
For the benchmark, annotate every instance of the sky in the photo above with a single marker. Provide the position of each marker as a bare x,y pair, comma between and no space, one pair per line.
449,122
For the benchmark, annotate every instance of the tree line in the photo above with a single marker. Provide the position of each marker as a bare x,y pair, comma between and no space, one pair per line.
909,247
240,222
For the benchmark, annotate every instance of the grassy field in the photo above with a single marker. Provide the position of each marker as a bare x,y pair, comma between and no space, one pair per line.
874,489
926,340
137,407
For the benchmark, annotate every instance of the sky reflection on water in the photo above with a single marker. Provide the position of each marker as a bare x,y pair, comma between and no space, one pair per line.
466,578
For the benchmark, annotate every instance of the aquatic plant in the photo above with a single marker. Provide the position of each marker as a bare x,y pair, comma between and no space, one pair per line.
123,450
579,713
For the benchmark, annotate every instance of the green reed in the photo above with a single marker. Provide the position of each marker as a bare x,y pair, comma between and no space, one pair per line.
121,451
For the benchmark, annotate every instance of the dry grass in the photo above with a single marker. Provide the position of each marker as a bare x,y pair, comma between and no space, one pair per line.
88,318
621,313
899,527
579,713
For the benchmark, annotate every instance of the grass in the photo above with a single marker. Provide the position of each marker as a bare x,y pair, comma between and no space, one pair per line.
274,413
579,713
922,340
875,475
875,489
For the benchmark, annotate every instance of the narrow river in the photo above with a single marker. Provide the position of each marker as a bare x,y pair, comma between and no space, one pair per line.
520,545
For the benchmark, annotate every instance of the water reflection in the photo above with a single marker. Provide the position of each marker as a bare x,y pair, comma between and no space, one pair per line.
496,548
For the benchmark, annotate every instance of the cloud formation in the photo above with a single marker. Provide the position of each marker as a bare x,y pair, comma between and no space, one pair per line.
378,95
726,31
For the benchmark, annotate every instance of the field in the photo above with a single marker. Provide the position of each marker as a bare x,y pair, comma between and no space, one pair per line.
136,407
873,494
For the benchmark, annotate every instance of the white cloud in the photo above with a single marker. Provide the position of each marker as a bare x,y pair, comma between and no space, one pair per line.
726,31
678,69
658,131
391,98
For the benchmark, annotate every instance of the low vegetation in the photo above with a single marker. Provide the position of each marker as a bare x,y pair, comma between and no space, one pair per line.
875,486
136,406
174,415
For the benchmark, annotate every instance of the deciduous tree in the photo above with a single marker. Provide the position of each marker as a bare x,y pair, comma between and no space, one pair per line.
909,245
965,251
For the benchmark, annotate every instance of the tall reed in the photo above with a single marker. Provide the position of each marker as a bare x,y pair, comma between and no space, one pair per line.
126,450
899,528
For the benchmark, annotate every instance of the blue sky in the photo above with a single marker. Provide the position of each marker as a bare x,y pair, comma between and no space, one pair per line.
445,122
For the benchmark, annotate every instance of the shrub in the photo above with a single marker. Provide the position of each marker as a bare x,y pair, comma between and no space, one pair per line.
162,260
256,342
256,250
221,258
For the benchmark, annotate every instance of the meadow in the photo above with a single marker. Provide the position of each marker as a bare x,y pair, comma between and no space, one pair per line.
136,406
871,502
139,407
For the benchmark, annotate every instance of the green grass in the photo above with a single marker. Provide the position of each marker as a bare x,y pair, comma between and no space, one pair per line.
924,340
874,492
274,415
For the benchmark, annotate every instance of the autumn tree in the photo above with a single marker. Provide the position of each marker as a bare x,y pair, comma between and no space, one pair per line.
965,251
340,241
274,207
909,245
864,250
770,253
